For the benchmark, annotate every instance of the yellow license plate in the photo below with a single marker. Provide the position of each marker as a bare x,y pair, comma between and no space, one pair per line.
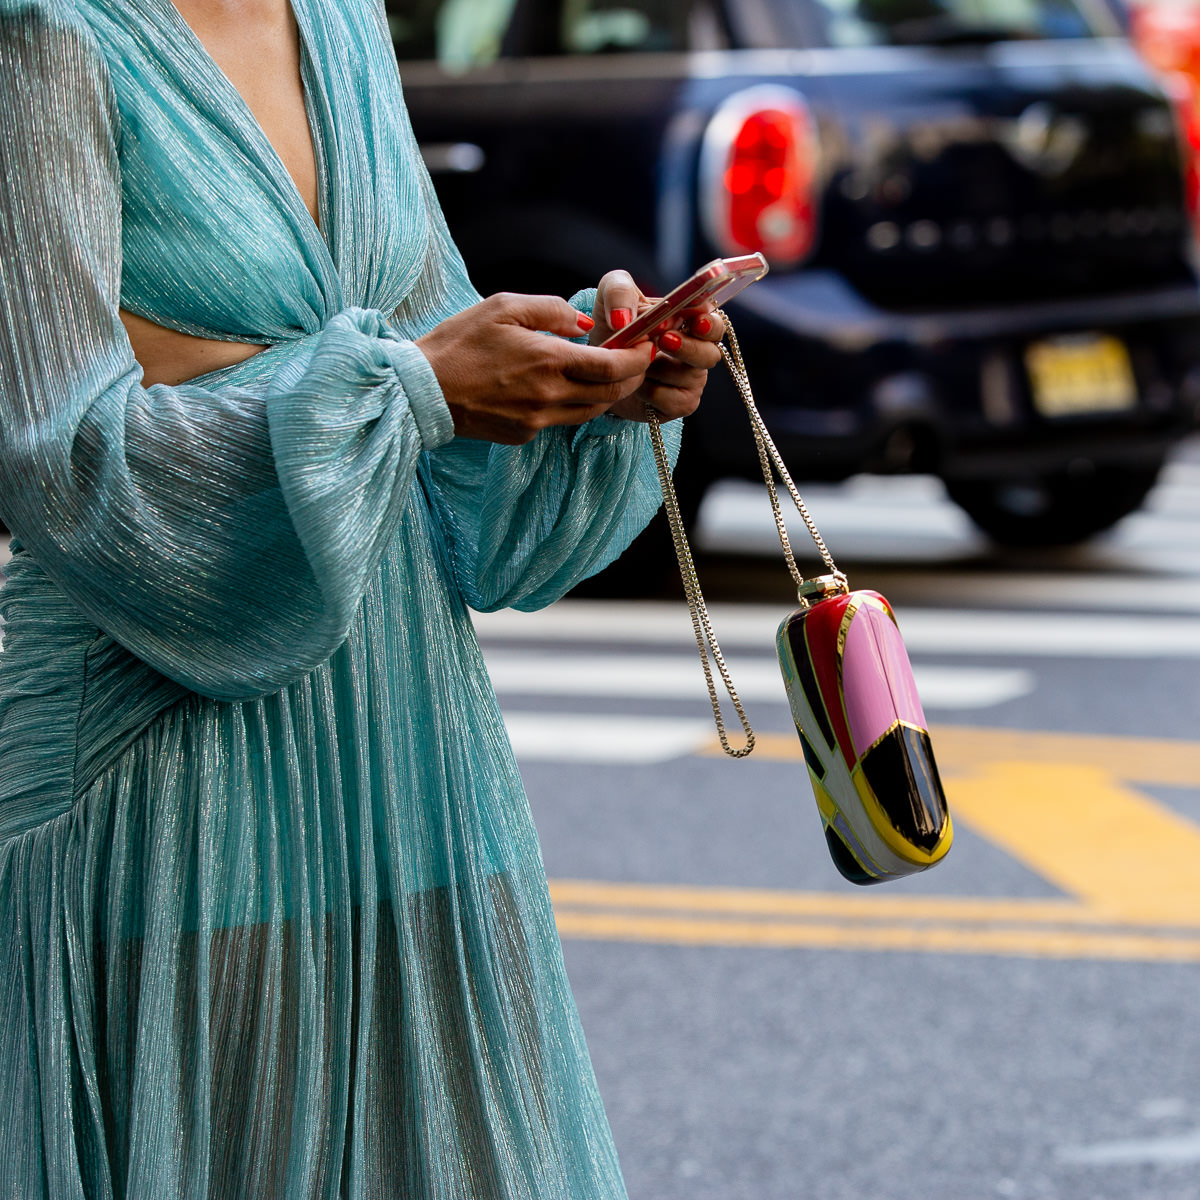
1082,374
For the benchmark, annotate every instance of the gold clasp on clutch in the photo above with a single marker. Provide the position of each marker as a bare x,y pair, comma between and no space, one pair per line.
813,591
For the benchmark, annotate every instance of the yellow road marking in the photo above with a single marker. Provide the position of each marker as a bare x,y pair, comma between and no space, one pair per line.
1025,943
864,905
1059,803
857,921
1160,761
1122,854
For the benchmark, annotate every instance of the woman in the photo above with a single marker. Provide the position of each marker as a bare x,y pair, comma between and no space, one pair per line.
273,921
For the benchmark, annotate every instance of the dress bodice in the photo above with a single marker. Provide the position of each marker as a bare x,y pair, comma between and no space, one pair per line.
264,271
224,533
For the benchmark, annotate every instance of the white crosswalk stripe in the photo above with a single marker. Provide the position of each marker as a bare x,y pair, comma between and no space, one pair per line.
910,520
926,630
603,738
677,677
608,738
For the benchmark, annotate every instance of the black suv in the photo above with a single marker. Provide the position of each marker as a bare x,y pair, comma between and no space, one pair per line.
979,215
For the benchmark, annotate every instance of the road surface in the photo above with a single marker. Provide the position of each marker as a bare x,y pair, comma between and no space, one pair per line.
1023,1021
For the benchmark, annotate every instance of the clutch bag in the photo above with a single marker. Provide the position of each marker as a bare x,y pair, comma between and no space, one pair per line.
849,686
863,733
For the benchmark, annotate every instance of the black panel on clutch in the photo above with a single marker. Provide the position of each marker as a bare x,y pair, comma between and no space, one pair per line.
815,765
804,671
904,778
845,862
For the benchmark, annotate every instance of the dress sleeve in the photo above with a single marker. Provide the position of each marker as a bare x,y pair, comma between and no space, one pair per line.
527,523
225,535
524,524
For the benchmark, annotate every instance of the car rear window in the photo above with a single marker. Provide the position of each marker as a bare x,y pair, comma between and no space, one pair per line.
940,22
621,26
460,34
463,34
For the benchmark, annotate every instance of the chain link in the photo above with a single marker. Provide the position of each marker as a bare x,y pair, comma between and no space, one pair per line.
768,457
771,461
706,639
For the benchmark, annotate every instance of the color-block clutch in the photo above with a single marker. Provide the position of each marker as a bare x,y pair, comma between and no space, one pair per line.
853,698
850,688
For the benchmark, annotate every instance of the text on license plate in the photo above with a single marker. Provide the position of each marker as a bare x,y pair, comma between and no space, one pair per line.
1087,373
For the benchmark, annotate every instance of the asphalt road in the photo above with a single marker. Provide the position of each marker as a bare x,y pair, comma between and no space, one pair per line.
1023,1021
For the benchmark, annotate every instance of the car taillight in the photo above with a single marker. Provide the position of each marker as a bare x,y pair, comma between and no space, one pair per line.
759,175
1186,98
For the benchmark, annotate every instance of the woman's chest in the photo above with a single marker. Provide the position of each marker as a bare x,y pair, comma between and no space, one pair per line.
256,45
218,236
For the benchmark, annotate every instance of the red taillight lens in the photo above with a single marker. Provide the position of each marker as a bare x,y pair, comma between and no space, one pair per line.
1186,97
759,175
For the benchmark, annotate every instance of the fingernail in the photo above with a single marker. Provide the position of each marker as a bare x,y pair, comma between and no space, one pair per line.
671,341
585,322
702,325
653,351
621,317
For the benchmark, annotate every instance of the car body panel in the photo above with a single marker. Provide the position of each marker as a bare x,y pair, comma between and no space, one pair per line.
975,201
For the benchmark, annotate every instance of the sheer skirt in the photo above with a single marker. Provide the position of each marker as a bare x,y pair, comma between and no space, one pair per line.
298,947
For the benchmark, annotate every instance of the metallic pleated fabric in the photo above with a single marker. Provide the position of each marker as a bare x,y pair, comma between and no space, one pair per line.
273,919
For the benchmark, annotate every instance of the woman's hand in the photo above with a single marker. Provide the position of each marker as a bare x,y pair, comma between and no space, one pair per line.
505,381
676,379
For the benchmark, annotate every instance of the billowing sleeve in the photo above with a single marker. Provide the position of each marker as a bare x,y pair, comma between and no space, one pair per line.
527,523
223,535
524,524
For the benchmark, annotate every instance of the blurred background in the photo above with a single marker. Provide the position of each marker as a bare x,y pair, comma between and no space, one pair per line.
979,351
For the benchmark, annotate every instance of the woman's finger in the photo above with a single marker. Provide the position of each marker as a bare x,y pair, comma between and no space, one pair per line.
618,301
504,380
592,364
676,374
619,298
545,314
705,324
509,430
692,351
668,400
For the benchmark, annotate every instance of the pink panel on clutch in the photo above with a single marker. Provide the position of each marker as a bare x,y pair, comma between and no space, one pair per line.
877,677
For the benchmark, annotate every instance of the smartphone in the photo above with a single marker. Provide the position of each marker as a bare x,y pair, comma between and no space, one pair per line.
709,287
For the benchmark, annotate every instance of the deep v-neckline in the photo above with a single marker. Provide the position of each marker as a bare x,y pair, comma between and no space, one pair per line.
316,104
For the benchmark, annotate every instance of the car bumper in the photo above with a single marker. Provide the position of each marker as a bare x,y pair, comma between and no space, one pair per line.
846,386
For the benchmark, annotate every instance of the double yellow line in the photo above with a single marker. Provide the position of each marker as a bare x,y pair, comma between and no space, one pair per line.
827,921
1128,866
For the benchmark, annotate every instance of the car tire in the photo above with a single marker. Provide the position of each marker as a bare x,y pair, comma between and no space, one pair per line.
1059,509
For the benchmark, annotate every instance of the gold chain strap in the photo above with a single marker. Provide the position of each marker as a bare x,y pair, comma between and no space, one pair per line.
706,639
770,460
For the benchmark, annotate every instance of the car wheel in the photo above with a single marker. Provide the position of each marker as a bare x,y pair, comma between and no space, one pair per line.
1059,509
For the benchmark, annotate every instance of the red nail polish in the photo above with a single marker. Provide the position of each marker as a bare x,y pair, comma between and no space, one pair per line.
621,317
585,322
671,342
702,325
653,351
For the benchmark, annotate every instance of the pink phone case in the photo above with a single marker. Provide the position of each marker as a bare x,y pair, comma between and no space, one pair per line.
710,286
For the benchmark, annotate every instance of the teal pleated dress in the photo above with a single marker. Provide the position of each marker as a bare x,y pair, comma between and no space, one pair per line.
273,920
